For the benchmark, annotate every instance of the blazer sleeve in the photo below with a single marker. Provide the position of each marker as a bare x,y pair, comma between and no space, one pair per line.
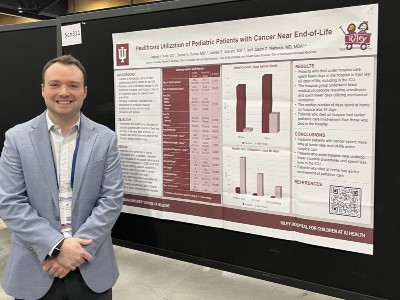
29,228
110,200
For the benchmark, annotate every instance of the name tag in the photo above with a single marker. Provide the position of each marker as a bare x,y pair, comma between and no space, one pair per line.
65,203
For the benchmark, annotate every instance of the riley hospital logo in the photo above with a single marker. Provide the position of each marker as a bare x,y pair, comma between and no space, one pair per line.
122,54
352,38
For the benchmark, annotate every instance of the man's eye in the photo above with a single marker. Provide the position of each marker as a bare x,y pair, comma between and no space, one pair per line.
74,86
53,84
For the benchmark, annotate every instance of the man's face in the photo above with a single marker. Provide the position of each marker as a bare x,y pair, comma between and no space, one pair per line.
63,91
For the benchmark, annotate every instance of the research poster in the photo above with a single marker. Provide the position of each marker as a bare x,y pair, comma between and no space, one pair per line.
263,125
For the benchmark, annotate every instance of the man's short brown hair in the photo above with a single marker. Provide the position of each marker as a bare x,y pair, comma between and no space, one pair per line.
65,60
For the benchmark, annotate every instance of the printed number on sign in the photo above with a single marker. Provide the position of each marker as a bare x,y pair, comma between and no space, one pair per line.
72,33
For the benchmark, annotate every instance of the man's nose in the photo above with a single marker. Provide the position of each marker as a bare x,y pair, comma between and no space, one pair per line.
64,90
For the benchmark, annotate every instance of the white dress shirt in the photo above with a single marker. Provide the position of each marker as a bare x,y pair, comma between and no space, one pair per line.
63,151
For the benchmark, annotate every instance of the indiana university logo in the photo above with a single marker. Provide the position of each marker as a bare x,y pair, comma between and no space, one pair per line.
122,53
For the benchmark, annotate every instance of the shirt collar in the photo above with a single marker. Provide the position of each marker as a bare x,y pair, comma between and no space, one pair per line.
50,123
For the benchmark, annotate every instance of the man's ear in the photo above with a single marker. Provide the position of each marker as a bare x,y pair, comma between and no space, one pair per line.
85,88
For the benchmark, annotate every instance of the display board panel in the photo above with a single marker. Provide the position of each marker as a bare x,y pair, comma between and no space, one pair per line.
336,269
24,51
259,125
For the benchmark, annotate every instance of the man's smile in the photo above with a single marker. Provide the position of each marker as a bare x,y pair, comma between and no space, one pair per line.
64,101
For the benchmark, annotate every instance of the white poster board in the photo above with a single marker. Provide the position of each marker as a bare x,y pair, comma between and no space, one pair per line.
262,125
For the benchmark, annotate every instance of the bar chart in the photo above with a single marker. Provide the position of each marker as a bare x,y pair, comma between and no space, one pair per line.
256,178
269,119
256,104
242,189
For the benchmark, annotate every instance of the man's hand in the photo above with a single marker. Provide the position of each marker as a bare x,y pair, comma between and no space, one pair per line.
53,268
73,254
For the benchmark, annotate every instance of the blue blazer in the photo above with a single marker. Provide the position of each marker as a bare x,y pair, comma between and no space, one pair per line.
29,204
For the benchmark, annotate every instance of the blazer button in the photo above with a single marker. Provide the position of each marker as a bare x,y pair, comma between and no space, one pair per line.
57,218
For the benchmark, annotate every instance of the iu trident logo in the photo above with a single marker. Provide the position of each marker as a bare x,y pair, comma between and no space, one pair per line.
122,53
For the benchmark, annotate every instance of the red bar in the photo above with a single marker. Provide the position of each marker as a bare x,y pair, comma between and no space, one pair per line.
240,107
266,108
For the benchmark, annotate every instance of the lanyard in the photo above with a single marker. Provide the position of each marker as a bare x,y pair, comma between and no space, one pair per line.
74,162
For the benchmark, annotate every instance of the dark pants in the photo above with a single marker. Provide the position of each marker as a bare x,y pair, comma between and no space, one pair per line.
73,287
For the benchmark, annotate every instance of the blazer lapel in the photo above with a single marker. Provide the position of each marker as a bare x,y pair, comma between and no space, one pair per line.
87,138
41,143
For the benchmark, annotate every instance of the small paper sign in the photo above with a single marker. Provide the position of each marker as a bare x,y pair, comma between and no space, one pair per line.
71,35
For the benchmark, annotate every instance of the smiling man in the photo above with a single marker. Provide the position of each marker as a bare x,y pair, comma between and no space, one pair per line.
61,190
64,90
